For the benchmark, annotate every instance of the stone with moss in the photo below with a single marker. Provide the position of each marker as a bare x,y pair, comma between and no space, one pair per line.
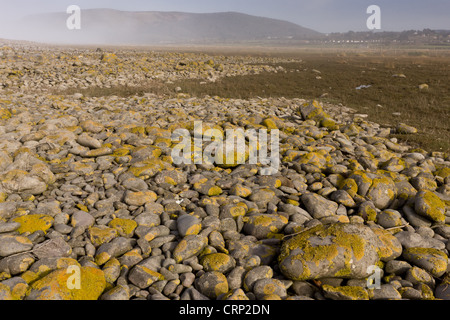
426,292
125,227
20,181
255,274
5,293
350,186
269,181
270,124
319,207
91,126
417,275
111,270
240,191
11,244
188,225
403,128
139,198
432,260
33,223
264,195
99,235
344,198
64,284
367,211
231,157
337,250
5,114
382,192
345,292
220,262
424,183
148,168
312,110
263,226
264,288
173,177
405,191
113,249
430,206
212,284
395,164
363,181
443,172
329,123
44,266
388,246
319,159
390,218
207,187
143,277
236,295
443,290
189,246
18,287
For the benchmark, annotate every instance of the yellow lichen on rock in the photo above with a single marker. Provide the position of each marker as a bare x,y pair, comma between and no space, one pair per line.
125,227
63,284
33,223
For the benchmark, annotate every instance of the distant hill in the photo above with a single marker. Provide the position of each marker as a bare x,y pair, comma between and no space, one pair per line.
107,26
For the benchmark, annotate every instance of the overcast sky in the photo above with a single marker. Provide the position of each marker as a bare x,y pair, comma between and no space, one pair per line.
321,15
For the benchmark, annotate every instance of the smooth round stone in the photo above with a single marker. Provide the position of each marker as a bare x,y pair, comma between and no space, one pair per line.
417,275
140,198
9,227
345,293
386,292
255,274
220,262
337,250
188,225
236,295
432,260
54,286
189,246
430,206
212,284
397,267
11,244
264,226
265,287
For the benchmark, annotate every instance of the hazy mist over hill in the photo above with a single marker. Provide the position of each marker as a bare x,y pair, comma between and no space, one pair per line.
107,26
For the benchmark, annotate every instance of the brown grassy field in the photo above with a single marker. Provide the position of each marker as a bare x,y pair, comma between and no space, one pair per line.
340,73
